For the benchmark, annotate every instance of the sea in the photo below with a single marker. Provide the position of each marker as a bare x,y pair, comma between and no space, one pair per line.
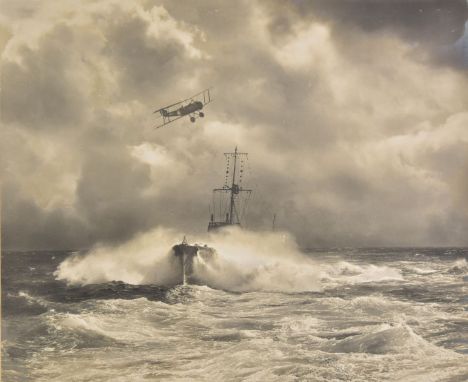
342,314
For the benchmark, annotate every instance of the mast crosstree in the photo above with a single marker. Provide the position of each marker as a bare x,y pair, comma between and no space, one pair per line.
233,190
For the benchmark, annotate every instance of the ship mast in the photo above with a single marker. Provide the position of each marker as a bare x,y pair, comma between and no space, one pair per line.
232,217
231,207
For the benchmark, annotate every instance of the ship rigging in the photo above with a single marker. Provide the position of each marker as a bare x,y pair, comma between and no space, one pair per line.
230,211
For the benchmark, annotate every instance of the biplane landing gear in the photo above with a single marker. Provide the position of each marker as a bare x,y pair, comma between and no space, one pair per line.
201,114
192,119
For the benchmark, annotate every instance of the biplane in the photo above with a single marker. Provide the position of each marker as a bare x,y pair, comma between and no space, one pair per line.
188,107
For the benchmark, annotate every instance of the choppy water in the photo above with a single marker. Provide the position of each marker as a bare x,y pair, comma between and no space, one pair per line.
377,315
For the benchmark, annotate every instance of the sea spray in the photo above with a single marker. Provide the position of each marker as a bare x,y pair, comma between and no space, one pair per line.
241,261
244,261
258,261
145,259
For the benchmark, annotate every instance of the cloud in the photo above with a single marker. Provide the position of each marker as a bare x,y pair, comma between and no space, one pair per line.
414,20
354,137
432,27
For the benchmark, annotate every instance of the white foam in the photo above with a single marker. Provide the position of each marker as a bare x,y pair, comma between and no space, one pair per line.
423,271
143,260
254,336
346,272
459,266
246,261
385,339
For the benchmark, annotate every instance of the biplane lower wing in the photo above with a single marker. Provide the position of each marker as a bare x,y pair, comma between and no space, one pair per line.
167,120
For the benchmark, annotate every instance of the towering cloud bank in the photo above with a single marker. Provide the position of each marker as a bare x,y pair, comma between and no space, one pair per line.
354,114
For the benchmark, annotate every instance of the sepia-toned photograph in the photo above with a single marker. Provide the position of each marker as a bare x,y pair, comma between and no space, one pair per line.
234,190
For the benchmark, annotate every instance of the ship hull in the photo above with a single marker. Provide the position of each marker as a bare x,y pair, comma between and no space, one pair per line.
214,226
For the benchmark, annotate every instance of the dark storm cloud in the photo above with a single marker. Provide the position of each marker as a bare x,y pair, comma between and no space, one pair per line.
432,21
436,25
110,192
140,60
353,139
39,91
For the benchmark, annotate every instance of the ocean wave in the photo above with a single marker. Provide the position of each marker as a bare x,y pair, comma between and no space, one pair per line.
345,272
385,339
22,303
459,266
422,271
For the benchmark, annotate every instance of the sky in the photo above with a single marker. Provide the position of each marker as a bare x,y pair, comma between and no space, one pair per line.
354,114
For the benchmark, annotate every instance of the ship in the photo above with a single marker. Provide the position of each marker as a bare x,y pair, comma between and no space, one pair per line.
228,207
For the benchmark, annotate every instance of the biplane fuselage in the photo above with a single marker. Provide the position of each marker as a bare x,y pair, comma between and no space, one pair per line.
192,107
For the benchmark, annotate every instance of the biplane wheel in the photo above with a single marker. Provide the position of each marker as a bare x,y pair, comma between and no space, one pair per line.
192,119
201,114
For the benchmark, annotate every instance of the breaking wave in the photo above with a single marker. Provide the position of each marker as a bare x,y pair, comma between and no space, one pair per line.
459,266
386,339
144,260
245,261
353,273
